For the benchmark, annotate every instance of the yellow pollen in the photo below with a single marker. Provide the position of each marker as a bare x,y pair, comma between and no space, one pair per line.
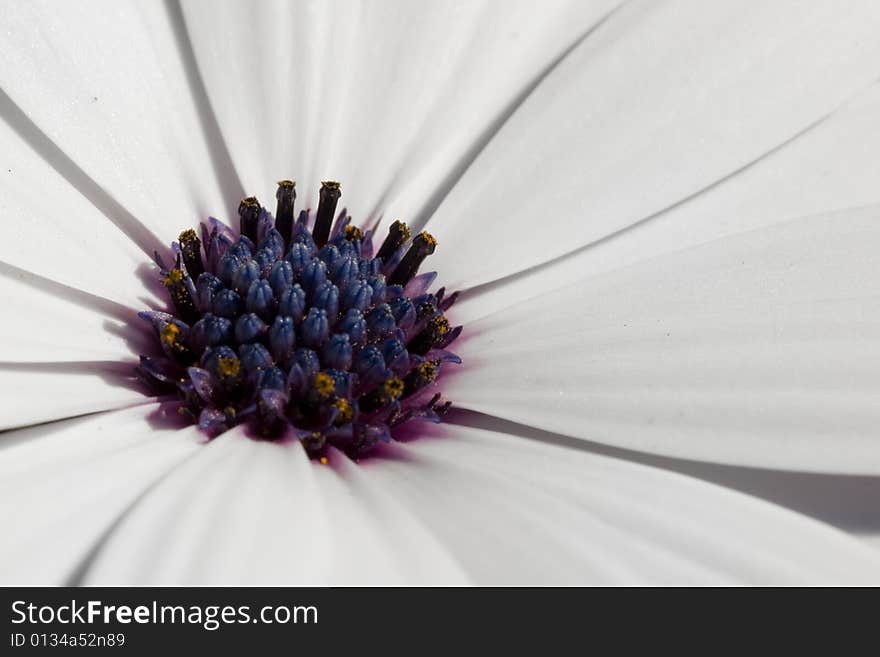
353,233
228,366
324,384
428,238
428,371
324,460
250,201
346,412
170,334
187,236
174,277
332,184
287,183
440,325
393,387
404,230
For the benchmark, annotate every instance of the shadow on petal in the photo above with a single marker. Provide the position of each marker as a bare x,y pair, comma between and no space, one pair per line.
117,373
845,501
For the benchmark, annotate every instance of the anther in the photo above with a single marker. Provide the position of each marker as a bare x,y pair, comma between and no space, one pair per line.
353,233
182,292
286,196
223,363
344,411
430,336
324,384
398,234
174,342
329,197
228,367
422,246
420,377
390,390
249,215
190,246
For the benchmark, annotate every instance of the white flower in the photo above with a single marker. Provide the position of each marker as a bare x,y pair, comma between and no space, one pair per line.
663,214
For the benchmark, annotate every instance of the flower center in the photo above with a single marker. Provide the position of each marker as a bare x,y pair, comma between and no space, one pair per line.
296,323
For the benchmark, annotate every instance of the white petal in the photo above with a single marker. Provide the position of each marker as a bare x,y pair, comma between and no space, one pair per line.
872,540
506,510
518,511
50,229
62,486
387,96
254,512
830,167
760,349
40,392
50,322
105,84
662,102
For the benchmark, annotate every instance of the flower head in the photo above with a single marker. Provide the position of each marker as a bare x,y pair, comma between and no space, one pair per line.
297,324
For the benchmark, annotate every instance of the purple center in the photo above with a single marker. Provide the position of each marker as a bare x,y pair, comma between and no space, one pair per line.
297,325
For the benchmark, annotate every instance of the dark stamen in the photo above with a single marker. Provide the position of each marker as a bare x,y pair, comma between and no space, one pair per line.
190,248
286,196
420,377
398,233
329,196
423,245
430,336
249,214
174,343
381,395
179,287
